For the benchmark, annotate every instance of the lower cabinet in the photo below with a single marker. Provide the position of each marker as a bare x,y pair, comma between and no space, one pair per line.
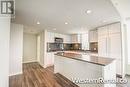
50,59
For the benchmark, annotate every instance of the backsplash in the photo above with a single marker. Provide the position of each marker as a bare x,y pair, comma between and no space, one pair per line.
55,47
72,46
63,46
94,46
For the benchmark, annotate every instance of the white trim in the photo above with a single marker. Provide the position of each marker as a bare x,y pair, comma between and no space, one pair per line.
41,65
18,73
49,65
30,61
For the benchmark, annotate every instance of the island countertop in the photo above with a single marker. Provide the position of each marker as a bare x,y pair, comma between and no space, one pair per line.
87,58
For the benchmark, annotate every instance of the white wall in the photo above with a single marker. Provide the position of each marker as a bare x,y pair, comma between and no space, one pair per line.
29,48
4,50
38,48
42,48
16,49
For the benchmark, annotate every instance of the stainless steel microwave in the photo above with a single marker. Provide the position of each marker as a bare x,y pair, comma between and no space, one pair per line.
58,40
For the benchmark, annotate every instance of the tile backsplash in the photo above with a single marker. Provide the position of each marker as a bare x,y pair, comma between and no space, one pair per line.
94,46
63,46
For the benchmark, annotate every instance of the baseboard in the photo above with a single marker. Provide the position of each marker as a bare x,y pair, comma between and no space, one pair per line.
49,65
14,74
30,61
41,65
45,66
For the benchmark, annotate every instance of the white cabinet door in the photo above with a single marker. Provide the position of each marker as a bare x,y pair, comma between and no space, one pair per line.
114,28
102,46
93,36
49,59
85,41
76,38
79,38
114,50
109,44
47,36
50,37
103,31
56,35
102,41
114,46
67,39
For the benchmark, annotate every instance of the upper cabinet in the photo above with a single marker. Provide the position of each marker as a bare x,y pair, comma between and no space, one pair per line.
93,36
67,38
76,38
50,37
109,29
85,41
114,28
109,40
103,31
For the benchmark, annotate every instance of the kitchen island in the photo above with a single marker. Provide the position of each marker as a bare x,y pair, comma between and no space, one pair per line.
86,70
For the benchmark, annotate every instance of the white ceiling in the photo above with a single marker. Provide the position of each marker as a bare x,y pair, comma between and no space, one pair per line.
123,6
54,13
31,30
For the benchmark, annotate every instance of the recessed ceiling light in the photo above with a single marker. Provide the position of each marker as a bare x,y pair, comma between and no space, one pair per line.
66,22
88,11
38,22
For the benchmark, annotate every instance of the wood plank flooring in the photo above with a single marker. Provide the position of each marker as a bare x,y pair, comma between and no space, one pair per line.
36,76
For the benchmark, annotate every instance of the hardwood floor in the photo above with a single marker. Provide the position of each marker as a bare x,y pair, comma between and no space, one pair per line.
36,76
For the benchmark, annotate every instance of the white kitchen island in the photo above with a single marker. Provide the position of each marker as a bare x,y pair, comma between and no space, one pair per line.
82,69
